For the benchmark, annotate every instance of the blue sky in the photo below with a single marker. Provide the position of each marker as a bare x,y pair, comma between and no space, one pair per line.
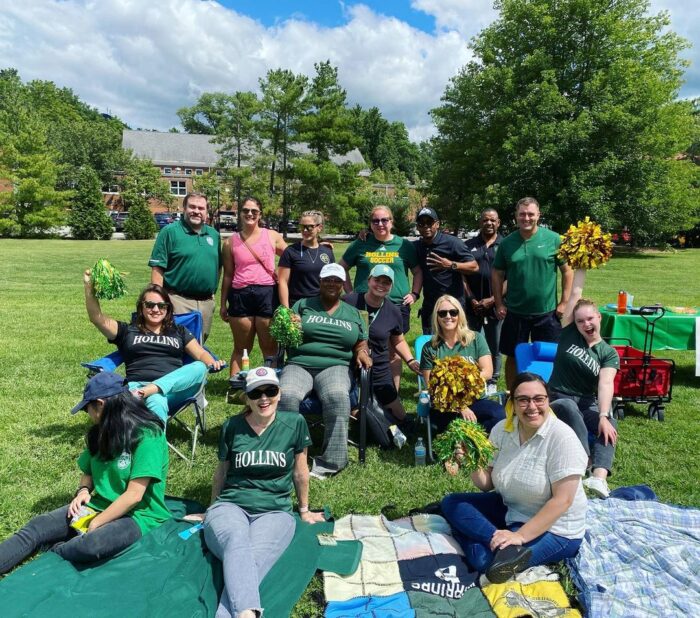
144,59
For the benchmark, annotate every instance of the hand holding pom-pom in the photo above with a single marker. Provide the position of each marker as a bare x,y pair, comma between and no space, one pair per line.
285,328
585,246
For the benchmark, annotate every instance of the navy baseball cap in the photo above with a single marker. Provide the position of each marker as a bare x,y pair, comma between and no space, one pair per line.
427,212
100,386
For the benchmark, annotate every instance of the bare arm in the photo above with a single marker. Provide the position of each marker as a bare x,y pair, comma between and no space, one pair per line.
217,483
485,363
567,281
482,478
347,286
416,287
578,280
280,244
283,273
497,279
197,352
227,260
157,275
123,504
82,497
404,351
606,381
106,325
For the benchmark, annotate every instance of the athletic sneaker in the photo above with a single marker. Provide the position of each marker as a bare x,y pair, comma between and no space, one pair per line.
598,486
321,472
507,562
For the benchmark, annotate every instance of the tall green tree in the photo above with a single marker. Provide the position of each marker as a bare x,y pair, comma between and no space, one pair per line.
207,115
574,102
141,183
88,218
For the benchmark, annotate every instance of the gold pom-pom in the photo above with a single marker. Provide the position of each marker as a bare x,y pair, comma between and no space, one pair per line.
585,245
454,384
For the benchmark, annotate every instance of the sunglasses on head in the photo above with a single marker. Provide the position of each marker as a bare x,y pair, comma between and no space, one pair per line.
308,228
250,211
383,220
269,392
443,313
149,304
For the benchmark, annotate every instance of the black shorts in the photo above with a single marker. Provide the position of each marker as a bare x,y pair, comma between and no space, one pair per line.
384,393
254,301
405,316
523,328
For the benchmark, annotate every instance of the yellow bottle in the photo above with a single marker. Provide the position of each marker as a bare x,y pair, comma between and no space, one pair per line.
245,361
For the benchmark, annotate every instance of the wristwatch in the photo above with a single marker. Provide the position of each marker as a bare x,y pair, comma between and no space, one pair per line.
607,415
453,266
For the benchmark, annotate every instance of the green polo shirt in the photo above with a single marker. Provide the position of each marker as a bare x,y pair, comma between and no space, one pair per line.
328,338
111,478
531,270
190,260
577,366
398,254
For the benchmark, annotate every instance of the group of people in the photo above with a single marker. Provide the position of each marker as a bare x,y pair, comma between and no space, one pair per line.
481,298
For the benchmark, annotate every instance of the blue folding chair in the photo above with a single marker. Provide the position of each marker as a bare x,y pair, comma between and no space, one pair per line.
193,322
536,357
423,415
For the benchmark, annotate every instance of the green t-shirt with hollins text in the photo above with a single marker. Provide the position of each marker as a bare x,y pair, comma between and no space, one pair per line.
261,467
111,478
398,253
577,366
531,271
328,338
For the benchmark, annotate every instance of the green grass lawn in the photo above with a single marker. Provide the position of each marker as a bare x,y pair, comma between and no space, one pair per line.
46,334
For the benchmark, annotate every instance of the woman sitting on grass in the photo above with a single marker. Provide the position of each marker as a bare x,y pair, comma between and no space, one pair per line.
262,452
537,513
124,468
452,337
153,348
582,384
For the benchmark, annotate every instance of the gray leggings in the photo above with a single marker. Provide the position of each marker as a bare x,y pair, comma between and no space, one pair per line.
581,414
332,386
53,530
247,545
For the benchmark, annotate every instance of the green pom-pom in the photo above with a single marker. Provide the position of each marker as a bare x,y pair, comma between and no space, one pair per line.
285,331
107,281
471,438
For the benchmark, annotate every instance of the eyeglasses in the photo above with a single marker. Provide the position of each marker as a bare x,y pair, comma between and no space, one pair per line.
250,211
308,228
443,313
524,402
269,392
382,221
425,223
149,304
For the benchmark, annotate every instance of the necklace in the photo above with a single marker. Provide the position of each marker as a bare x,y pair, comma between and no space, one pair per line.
308,251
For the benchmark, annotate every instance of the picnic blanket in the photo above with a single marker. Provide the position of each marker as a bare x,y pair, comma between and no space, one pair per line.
409,567
164,575
639,559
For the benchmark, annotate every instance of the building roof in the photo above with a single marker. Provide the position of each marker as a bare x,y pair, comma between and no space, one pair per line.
196,150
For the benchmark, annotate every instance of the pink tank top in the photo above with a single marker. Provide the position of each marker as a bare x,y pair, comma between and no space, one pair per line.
247,269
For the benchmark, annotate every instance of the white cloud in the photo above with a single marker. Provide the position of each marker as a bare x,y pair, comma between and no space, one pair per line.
468,17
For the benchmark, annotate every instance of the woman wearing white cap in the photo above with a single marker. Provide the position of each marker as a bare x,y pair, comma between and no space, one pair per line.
333,332
121,495
262,453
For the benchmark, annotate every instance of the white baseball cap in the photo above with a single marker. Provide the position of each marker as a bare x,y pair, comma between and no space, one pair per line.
333,270
262,376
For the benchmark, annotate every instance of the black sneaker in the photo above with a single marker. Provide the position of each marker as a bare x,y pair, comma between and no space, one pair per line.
507,562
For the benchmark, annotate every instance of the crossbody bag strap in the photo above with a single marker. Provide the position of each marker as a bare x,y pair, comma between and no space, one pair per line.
272,273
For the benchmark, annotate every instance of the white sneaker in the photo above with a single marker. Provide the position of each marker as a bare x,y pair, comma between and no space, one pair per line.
597,485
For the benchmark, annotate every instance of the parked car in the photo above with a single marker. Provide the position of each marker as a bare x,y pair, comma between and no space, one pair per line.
119,221
227,220
163,219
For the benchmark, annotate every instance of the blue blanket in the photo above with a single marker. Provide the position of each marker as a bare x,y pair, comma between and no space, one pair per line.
639,559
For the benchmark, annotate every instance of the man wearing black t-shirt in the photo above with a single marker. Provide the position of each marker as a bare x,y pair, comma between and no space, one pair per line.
444,259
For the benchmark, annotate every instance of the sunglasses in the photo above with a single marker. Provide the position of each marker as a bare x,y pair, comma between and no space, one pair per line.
524,402
443,313
149,304
308,228
382,221
250,211
425,223
269,392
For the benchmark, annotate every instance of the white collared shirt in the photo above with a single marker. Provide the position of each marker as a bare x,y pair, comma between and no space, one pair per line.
523,474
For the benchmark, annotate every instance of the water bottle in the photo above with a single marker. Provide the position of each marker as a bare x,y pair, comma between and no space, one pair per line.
245,362
423,410
622,302
420,452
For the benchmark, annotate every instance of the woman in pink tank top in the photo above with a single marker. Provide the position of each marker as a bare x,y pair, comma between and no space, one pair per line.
248,294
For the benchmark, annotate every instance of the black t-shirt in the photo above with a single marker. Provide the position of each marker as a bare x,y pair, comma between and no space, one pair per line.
305,265
443,281
384,322
480,283
148,356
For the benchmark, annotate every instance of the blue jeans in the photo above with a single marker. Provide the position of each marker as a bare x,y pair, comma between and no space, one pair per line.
475,517
53,529
175,387
247,545
487,412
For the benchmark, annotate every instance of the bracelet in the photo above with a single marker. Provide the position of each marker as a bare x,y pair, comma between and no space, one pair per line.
415,295
77,491
304,509
411,360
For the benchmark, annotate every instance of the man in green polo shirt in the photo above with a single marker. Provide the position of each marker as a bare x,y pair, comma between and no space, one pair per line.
186,261
527,259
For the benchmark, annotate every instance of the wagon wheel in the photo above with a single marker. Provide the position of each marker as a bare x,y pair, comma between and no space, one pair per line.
661,413
619,412
653,411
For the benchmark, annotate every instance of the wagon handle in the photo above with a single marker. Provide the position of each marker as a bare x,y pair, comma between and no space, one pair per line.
652,313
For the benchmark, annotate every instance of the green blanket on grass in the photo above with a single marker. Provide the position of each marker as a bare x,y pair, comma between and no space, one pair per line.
164,575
